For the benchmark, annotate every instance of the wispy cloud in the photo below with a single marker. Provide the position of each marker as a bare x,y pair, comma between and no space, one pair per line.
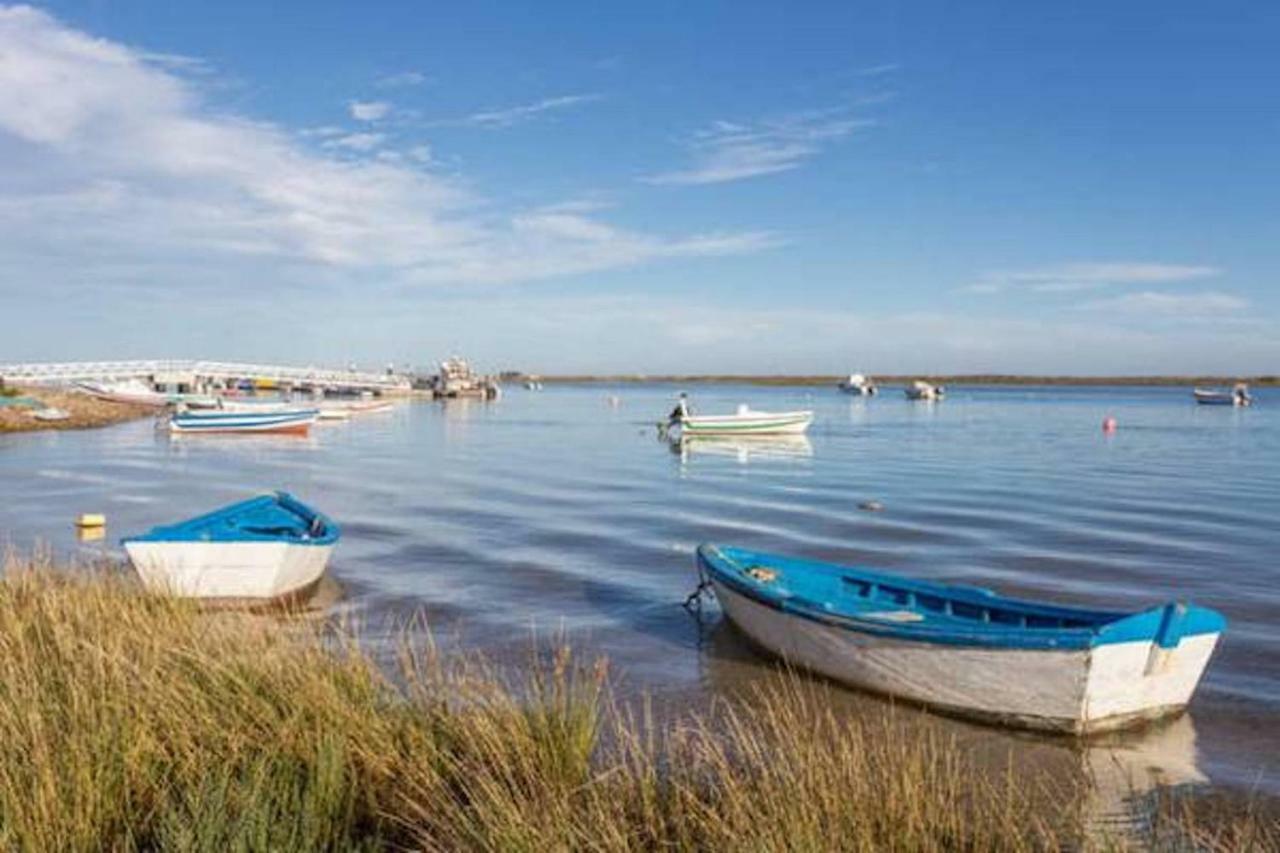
357,141
732,151
508,116
401,79
1164,304
129,180
369,110
878,70
1089,276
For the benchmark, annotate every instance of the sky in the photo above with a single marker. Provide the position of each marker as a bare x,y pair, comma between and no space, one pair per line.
737,187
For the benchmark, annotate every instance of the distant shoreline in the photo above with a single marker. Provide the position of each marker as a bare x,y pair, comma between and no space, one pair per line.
942,379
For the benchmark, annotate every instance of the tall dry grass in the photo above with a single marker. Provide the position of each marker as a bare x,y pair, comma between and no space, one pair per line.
130,721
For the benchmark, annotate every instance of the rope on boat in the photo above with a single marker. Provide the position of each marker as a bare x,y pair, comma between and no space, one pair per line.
694,602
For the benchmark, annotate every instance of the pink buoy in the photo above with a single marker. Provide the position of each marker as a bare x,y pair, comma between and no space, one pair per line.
1108,424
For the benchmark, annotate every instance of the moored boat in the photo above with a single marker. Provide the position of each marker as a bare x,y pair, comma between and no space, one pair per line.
1237,396
297,421
860,385
128,391
268,547
967,650
745,421
920,390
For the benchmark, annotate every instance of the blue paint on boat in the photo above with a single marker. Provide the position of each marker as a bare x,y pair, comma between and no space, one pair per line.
278,517
883,605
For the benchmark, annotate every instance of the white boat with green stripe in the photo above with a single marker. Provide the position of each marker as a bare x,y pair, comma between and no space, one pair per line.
744,422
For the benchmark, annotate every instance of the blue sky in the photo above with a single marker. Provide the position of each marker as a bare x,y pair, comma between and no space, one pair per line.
735,187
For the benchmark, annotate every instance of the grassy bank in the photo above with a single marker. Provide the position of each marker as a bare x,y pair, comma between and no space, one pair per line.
937,379
83,411
130,721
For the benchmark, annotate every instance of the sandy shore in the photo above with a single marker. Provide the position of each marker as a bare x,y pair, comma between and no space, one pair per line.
84,411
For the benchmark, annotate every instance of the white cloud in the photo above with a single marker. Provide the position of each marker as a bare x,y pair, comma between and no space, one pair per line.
878,70
369,110
401,79
114,171
1161,304
421,153
1089,276
731,151
357,141
508,116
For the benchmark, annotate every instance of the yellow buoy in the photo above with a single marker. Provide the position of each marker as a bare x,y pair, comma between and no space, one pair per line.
91,534
91,519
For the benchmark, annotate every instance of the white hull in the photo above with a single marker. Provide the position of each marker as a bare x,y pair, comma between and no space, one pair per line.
229,570
1079,691
747,423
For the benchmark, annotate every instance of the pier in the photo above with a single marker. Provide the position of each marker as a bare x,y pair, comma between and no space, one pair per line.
201,375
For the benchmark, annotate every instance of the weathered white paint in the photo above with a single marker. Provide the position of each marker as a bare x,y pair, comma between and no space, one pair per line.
1079,690
228,569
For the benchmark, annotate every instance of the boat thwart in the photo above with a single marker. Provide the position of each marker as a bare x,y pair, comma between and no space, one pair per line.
268,547
963,649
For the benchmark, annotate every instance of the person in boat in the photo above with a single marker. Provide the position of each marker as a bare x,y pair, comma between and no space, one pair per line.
1241,392
681,411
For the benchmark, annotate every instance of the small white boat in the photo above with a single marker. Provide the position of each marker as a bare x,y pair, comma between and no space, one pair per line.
859,385
297,421
269,547
1237,396
919,390
371,406
128,391
745,421
967,650
51,413
334,413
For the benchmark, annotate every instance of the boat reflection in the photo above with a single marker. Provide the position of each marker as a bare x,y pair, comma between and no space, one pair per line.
1114,781
183,443
745,449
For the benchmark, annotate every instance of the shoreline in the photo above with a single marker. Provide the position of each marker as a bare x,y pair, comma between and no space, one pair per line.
83,411
1012,380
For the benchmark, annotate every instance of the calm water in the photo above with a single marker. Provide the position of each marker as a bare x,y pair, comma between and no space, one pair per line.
557,511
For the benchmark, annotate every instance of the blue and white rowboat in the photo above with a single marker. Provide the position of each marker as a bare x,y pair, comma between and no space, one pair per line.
215,421
269,547
964,649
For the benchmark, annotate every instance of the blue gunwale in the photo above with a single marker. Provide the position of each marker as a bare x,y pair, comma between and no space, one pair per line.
846,597
276,517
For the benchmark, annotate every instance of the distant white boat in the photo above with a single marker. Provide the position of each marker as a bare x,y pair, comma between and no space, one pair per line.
919,390
127,391
269,547
859,385
1237,396
334,413
50,413
743,422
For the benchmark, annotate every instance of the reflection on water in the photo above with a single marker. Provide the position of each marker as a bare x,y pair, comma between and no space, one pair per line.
558,510
744,448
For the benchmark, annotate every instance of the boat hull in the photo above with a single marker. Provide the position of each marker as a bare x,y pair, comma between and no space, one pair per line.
788,423
293,423
229,570
1075,691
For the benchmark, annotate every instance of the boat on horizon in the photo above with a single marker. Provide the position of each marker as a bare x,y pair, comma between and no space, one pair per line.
745,421
967,650
1237,396
859,385
920,390
291,421
269,547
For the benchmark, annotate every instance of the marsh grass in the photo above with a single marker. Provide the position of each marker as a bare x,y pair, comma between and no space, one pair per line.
130,721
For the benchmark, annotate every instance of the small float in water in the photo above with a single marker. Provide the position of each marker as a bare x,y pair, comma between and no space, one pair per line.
295,421
268,547
859,385
1237,396
682,425
967,650
920,390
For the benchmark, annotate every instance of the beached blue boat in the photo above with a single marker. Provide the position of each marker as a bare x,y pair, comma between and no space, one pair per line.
297,421
270,546
964,649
